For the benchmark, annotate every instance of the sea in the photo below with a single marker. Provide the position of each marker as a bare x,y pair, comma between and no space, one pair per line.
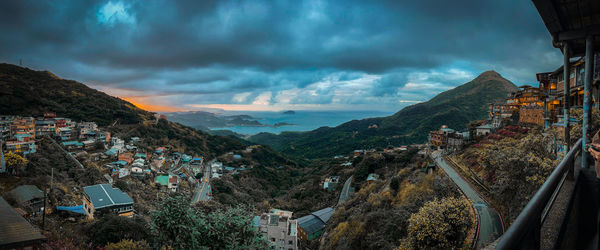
302,120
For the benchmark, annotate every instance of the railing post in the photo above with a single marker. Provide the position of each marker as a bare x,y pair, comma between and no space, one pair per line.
571,169
587,99
537,228
566,95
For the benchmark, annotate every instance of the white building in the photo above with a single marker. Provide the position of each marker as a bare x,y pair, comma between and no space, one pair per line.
279,229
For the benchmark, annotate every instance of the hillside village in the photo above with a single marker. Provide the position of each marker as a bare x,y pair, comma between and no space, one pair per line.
161,171
117,161
502,167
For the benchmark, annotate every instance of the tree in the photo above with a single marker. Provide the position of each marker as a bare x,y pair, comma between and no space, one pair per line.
395,183
111,228
439,225
14,162
126,245
177,225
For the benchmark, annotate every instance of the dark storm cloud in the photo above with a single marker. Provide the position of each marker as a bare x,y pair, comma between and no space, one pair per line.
195,47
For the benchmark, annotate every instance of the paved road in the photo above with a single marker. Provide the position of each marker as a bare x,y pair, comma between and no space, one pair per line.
490,224
203,189
345,191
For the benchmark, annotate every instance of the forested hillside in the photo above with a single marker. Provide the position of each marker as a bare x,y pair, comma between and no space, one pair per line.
455,108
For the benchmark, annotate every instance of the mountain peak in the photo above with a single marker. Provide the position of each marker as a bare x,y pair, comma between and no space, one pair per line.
490,74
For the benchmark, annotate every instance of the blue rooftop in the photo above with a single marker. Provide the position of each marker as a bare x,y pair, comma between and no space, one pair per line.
122,163
103,195
112,151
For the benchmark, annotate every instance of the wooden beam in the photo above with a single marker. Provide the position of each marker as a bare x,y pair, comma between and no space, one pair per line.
579,34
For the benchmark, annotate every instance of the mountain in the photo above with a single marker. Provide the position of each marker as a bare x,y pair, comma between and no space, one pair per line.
454,107
27,92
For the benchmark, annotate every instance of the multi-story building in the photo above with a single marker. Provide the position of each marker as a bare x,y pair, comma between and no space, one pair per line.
21,143
45,126
5,123
457,140
64,133
22,125
279,229
87,128
553,84
439,137
60,122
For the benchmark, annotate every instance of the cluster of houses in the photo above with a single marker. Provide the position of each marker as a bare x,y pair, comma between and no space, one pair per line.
543,105
19,133
119,158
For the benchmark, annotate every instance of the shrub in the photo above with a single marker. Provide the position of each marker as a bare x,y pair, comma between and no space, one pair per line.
439,225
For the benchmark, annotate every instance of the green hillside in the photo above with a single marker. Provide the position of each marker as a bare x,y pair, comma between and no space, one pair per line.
455,108
28,92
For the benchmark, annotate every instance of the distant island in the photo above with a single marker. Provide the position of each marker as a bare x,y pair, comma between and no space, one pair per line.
289,112
206,120
280,124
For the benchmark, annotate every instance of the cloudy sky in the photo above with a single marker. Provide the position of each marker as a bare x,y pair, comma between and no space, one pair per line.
276,55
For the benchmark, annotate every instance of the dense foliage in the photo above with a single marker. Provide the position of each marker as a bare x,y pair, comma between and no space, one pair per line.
377,216
113,228
14,162
513,168
177,225
455,108
31,93
439,224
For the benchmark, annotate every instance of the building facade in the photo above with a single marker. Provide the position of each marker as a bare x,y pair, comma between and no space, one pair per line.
279,229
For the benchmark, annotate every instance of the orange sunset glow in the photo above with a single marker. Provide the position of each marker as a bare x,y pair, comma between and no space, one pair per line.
144,104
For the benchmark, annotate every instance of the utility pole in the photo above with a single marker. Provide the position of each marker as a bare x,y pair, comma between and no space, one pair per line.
44,211
52,180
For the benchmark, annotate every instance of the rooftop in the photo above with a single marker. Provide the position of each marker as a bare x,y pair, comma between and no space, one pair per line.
103,195
15,231
25,193
315,221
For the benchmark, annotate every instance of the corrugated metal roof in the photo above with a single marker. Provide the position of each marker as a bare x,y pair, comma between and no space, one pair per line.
15,230
311,224
316,221
324,214
103,195
25,193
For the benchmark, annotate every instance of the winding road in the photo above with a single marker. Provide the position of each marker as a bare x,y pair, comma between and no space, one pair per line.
345,191
490,223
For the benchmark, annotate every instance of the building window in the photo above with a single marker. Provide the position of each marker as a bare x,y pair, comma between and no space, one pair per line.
290,242
273,239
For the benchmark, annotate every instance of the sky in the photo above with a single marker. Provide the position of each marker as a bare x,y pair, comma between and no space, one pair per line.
277,55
